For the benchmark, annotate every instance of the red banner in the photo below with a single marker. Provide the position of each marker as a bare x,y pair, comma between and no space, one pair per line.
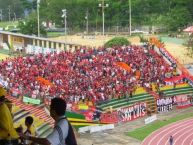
174,79
125,114
109,117
132,112
182,101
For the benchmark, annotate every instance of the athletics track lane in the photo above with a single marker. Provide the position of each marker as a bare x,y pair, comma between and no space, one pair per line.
181,131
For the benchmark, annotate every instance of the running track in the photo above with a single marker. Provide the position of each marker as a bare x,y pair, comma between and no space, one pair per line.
182,132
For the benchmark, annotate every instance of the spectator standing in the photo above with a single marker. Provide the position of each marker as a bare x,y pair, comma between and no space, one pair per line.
63,132
8,134
30,131
171,139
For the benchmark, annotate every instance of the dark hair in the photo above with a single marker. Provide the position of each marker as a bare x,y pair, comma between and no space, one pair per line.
59,105
29,120
2,99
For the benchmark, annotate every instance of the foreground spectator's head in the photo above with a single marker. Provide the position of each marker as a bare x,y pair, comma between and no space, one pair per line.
3,92
29,121
57,108
2,95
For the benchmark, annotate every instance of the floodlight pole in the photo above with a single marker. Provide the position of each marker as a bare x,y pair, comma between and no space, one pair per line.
1,15
9,11
103,6
86,22
64,15
38,17
130,17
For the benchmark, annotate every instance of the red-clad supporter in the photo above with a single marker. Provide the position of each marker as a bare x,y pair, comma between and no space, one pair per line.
85,74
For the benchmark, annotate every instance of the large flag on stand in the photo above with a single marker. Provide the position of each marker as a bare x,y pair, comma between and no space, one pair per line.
44,82
124,66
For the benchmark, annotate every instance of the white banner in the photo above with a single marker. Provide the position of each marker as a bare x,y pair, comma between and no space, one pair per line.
150,119
164,104
132,112
85,129
101,128
31,49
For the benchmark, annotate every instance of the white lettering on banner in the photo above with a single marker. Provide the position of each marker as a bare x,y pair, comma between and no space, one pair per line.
132,112
164,104
183,103
182,100
31,49
30,100
150,119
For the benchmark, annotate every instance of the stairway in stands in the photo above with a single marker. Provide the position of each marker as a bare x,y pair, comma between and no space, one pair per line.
187,89
37,111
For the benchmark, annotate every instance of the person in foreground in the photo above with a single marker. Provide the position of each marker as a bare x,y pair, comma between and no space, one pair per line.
63,133
8,134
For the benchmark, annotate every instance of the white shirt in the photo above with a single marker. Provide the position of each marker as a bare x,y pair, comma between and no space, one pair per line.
60,131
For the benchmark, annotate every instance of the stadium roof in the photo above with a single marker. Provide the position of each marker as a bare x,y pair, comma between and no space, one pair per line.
35,37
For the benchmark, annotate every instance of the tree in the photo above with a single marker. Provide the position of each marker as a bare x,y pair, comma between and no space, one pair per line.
15,7
117,41
176,18
30,26
170,14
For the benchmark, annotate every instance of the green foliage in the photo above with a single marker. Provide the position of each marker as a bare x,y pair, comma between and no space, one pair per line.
117,41
30,26
6,24
171,14
16,7
143,132
176,19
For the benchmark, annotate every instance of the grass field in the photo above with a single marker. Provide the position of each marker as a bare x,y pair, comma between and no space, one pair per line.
11,24
143,132
55,34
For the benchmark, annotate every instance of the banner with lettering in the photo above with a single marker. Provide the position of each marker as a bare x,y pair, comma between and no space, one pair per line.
110,117
132,112
182,101
176,79
31,101
167,55
164,104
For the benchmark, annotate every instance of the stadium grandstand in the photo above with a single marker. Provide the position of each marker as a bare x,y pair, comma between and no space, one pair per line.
101,85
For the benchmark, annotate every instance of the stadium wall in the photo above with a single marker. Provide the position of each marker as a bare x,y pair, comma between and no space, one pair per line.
20,41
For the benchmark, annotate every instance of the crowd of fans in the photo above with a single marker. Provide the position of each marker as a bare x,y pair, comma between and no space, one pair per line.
87,74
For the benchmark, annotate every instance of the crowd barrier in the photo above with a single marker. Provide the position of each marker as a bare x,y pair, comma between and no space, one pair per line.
170,58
